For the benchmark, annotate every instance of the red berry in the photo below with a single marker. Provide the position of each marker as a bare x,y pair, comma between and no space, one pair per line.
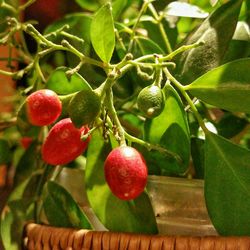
63,143
43,107
126,172
26,141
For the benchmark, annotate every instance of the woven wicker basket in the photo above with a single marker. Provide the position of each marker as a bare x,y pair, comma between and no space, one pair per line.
38,237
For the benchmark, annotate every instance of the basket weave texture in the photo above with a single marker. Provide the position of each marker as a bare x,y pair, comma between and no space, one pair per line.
38,237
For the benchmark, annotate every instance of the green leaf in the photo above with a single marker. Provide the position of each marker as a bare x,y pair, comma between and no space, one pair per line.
23,124
227,86
5,152
14,217
102,33
116,215
88,4
146,46
7,221
227,185
61,210
4,13
216,31
59,82
170,130
155,35
79,24
18,210
117,7
230,125
239,47
198,156
26,165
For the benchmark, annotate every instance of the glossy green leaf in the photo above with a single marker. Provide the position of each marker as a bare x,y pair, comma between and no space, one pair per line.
4,13
230,125
155,35
198,156
18,210
14,217
146,46
123,88
216,31
227,86
116,215
79,24
23,124
62,85
227,185
118,7
239,47
102,33
61,210
88,4
27,164
170,130
5,152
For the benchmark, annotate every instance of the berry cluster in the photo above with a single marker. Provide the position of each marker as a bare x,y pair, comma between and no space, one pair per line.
125,169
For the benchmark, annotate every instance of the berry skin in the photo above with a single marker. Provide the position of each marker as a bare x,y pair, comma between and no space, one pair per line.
84,107
26,141
126,172
63,143
43,107
151,101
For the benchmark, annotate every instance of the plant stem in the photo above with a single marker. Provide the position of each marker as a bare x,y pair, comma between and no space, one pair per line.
9,7
150,146
26,5
158,73
7,73
113,115
58,169
65,45
161,27
180,87
132,35
76,38
180,50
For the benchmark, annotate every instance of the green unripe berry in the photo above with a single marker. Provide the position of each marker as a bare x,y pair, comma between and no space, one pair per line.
151,101
84,107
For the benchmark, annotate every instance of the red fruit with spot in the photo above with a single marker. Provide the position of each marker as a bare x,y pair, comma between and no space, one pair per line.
63,143
126,172
43,107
